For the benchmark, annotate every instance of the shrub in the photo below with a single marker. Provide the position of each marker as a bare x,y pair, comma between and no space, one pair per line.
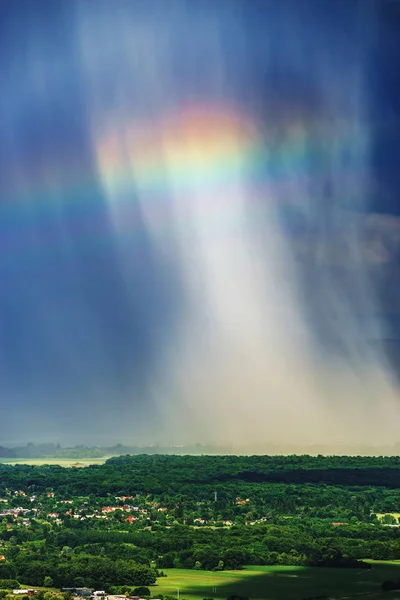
9,584
141,591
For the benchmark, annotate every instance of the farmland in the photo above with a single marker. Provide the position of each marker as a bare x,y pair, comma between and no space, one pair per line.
63,462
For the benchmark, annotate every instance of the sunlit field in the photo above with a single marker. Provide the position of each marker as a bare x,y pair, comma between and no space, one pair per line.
279,583
63,462
393,514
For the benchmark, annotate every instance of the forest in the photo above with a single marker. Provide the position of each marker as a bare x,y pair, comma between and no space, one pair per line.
121,523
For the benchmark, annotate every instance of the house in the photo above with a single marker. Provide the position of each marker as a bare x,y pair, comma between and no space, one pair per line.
83,592
130,519
21,510
53,515
78,591
2,557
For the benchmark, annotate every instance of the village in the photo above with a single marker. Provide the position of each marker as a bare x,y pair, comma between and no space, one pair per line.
79,593
20,508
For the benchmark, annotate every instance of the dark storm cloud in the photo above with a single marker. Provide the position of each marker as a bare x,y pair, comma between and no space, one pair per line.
72,338
78,337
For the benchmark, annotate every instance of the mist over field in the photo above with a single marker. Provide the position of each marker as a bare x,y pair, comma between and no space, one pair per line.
199,223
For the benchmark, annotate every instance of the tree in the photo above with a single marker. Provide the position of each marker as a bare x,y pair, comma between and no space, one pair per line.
233,559
220,566
48,582
141,591
389,520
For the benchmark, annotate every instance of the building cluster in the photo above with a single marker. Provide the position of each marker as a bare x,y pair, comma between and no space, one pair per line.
47,507
79,593
15,513
137,509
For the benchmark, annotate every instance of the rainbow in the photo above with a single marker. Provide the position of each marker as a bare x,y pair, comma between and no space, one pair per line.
198,146
212,146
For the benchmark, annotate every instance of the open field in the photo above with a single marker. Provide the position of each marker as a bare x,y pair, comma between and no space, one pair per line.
280,583
395,515
277,583
63,462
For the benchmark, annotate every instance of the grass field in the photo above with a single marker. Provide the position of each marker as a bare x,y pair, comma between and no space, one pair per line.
280,583
395,515
63,462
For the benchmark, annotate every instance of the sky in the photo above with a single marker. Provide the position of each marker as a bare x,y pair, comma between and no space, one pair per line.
199,221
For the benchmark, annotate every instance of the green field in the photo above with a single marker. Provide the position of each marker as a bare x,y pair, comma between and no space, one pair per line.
63,462
395,515
280,583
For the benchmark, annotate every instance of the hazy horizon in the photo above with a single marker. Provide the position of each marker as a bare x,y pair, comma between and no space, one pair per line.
117,448
200,223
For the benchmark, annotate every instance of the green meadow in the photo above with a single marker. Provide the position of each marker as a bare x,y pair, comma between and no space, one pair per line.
280,583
